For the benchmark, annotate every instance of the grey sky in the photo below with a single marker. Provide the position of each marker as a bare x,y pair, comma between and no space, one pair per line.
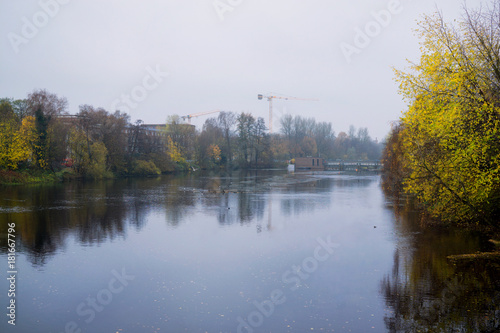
95,52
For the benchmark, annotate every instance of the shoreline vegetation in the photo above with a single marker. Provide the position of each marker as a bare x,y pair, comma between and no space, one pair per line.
443,154
9,177
41,142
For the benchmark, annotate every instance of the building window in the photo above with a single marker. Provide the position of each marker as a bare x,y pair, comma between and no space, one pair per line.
313,161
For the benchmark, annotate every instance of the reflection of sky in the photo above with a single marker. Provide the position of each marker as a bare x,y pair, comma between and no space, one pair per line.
199,265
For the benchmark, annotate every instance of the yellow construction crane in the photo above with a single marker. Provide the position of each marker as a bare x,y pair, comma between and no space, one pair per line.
193,115
270,99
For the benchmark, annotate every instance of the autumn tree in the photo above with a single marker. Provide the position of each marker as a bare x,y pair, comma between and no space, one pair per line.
174,152
308,146
14,147
89,158
41,148
341,145
451,139
210,136
183,135
324,136
213,152
245,125
262,143
79,150
306,137
254,145
394,172
110,129
226,122
21,108
47,108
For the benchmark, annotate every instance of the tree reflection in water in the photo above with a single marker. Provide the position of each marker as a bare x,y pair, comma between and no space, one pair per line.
425,292
98,212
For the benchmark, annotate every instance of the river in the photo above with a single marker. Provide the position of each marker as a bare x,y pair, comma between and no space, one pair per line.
257,251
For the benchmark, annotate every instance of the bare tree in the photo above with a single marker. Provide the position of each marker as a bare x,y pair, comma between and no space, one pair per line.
226,121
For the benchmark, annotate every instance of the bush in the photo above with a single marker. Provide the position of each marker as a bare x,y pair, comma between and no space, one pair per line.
145,168
96,166
162,161
11,177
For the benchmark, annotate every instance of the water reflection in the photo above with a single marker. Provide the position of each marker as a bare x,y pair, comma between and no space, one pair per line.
209,246
98,212
425,292
46,215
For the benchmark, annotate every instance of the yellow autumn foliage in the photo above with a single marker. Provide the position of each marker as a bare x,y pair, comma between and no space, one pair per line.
451,137
16,142
214,152
174,151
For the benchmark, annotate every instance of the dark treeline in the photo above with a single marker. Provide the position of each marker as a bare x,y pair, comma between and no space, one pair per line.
37,133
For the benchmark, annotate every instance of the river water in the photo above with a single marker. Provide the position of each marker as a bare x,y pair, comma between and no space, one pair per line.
263,251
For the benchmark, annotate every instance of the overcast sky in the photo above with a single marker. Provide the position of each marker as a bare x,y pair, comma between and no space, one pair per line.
218,54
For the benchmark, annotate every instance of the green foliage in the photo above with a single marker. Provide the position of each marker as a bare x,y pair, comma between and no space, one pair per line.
162,161
41,147
79,151
89,158
9,177
145,168
49,149
96,169
110,129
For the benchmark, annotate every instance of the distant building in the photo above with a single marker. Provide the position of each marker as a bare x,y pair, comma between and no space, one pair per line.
153,136
310,163
145,137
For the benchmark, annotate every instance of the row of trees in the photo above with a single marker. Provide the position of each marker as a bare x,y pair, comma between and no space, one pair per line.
244,141
306,137
30,132
446,147
38,133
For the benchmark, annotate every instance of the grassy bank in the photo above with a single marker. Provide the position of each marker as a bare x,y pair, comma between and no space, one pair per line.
8,177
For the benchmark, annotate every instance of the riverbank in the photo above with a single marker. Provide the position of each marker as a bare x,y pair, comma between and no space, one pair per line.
22,177
8,177
26,176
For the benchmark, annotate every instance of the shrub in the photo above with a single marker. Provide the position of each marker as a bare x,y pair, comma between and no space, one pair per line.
145,168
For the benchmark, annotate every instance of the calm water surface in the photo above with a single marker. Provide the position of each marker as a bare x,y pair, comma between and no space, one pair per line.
242,252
